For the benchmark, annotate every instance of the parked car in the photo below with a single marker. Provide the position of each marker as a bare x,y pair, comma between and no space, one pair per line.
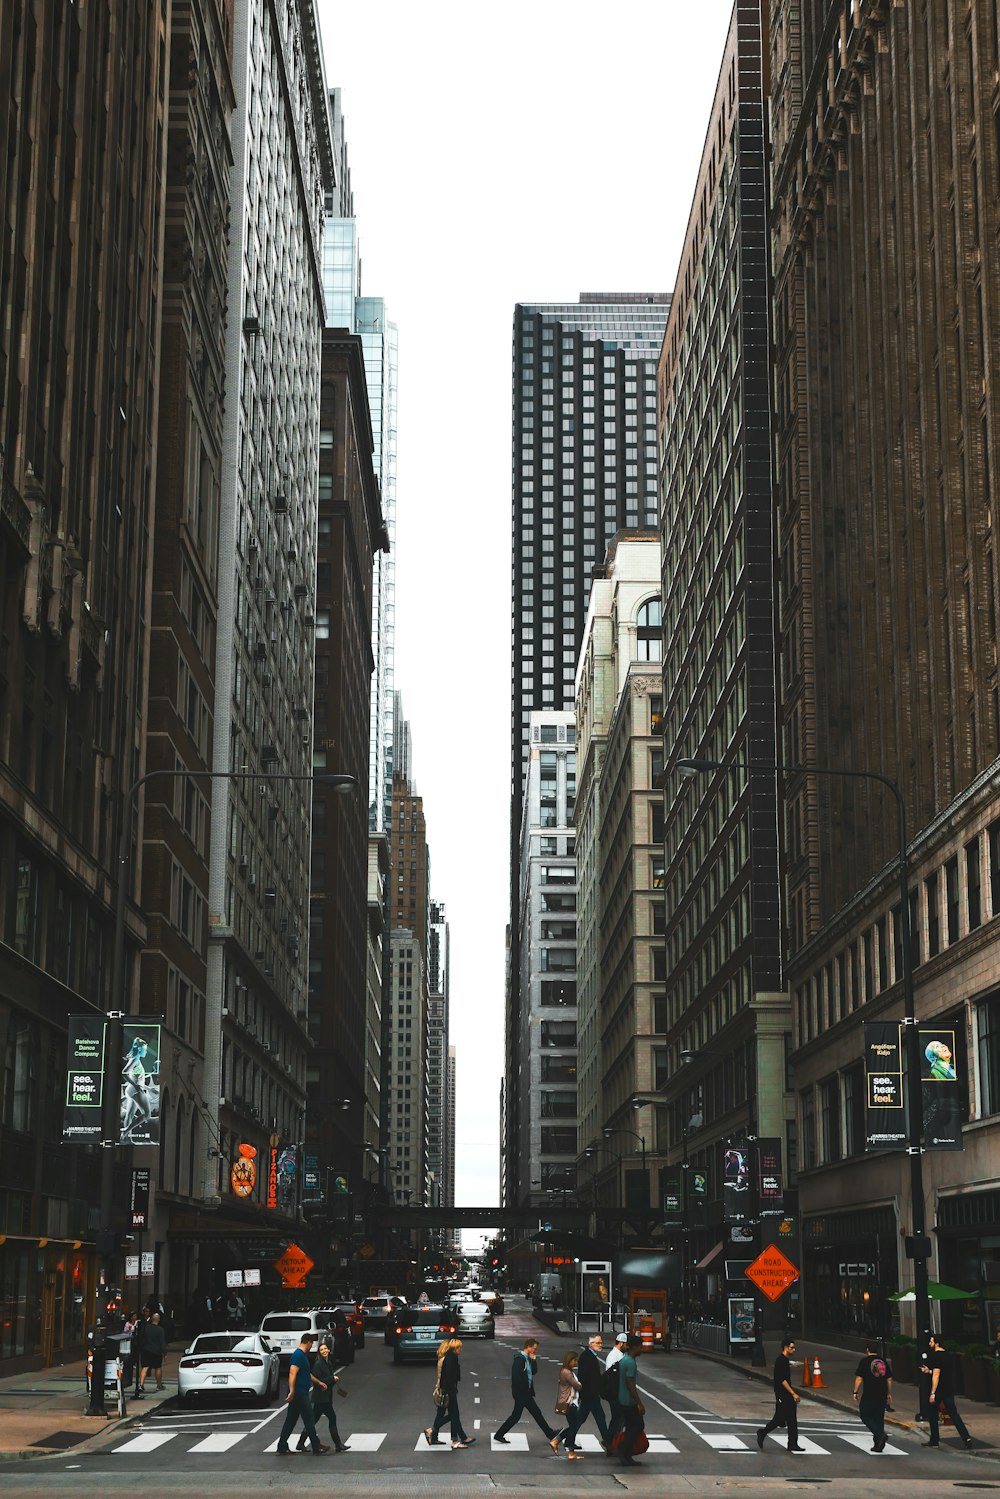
229,1363
339,1331
419,1330
355,1320
494,1301
375,1309
475,1320
284,1330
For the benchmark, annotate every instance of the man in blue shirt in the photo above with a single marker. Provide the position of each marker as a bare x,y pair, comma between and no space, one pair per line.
630,1401
300,1382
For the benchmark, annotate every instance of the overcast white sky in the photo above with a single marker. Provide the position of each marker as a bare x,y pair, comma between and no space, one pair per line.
523,152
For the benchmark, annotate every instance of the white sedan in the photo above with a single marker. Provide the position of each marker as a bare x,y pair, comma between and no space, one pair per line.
229,1363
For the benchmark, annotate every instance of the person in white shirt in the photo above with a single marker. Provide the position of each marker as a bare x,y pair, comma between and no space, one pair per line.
620,1344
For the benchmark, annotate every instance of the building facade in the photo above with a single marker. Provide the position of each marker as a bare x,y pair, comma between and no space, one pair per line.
81,169
621,957
349,531
584,465
887,290
406,1107
545,1076
257,1002
438,1008
724,1001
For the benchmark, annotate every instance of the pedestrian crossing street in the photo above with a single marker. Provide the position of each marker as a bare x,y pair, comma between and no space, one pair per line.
694,1438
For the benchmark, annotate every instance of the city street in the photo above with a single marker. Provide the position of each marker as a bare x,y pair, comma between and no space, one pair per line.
701,1419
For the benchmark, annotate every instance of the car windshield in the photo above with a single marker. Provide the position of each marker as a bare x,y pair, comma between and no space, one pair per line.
224,1342
287,1322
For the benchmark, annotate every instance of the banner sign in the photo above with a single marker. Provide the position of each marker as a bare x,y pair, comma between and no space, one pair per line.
312,1181
272,1177
243,1173
288,1171
940,1089
696,1191
770,1187
885,1125
741,1319
140,1096
736,1184
673,1203
84,1078
139,1202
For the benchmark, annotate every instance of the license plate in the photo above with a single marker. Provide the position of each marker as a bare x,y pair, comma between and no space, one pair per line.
220,1378
426,1336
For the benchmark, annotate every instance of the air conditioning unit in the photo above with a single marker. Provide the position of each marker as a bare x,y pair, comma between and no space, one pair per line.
269,752
280,504
244,861
301,591
260,651
266,679
301,713
271,894
260,955
251,883
251,326
292,553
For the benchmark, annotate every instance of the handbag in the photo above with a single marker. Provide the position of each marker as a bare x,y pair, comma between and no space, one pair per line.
440,1397
562,1406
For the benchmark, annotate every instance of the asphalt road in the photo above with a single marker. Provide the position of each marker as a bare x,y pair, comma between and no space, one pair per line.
700,1417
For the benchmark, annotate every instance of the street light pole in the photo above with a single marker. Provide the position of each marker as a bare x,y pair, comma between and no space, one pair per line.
113,1037
911,1032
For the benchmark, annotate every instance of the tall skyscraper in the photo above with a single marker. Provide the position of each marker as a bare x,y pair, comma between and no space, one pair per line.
584,465
257,1001
887,332
366,316
724,997
438,989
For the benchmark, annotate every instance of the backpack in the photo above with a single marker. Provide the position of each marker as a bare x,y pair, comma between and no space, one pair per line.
609,1384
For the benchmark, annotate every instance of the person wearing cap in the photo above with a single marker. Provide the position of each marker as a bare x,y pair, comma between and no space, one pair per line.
611,1394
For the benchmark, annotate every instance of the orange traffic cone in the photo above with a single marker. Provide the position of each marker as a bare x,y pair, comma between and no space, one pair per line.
817,1379
807,1378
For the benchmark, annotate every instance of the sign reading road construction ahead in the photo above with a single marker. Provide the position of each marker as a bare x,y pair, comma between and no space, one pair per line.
293,1266
772,1272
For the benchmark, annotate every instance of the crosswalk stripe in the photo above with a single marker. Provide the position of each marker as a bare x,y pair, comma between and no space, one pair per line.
661,1446
443,1444
813,1448
517,1441
723,1441
366,1441
146,1441
863,1441
218,1441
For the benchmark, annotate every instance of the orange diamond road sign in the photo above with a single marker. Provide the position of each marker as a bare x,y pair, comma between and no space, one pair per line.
293,1267
772,1272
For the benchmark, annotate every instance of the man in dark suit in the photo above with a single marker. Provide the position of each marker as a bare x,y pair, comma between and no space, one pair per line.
522,1387
588,1371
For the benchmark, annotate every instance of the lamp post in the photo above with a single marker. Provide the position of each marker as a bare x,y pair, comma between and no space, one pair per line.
113,1038
914,1099
617,1129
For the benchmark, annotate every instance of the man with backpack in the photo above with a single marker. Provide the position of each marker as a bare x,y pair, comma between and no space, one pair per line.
589,1371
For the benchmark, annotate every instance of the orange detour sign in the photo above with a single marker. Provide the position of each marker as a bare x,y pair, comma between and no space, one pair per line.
772,1272
293,1267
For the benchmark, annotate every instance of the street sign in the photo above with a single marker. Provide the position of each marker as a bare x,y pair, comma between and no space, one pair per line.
772,1272
293,1266
365,1251
140,1197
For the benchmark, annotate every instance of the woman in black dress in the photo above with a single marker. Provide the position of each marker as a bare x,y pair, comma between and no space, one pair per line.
448,1375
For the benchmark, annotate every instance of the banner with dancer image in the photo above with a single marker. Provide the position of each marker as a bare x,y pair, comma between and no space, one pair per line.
940,1089
140,1086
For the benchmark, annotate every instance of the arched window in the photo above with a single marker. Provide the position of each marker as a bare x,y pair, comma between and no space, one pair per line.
649,636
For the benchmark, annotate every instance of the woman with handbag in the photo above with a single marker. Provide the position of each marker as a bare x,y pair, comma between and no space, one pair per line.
322,1397
446,1397
568,1405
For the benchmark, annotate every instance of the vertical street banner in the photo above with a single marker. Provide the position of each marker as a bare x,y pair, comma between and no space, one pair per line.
140,1085
312,1182
673,1203
288,1176
339,1203
139,1203
84,1078
940,1089
696,1193
885,1122
770,1183
736,1184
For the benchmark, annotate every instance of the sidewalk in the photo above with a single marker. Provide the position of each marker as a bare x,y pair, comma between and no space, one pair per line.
43,1412
837,1366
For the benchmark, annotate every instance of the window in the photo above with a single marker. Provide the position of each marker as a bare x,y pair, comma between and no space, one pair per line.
973,884
26,910
558,992
988,1033
322,624
649,636
854,1110
951,898
807,1113
660,1069
829,1115
993,837
932,885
